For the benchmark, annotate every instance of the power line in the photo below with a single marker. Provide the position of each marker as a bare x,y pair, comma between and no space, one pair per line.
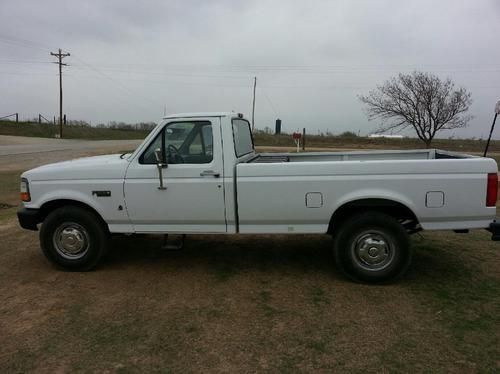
23,62
118,84
269,101
120,100
191,71
174,73
445,67
25,73
20,42
383,66
267,86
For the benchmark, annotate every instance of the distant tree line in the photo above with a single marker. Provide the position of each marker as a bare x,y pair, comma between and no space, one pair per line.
346,134
141,126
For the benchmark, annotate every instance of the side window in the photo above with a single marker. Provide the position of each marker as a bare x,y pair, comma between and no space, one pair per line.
243,142
182,143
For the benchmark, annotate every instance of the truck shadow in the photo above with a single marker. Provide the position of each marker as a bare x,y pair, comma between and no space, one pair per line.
227,255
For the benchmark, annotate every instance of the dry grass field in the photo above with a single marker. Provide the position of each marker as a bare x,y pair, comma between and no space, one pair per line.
244,304
47,130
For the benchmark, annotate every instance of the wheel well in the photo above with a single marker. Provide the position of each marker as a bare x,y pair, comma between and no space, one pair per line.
50,206
393,208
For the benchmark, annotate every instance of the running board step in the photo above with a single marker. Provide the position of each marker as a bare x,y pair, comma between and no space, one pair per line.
173,242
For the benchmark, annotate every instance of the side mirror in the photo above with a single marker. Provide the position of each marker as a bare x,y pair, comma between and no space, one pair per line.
158,156
160,165
160,159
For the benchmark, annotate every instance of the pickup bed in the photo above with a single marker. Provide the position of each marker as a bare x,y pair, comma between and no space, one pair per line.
199,173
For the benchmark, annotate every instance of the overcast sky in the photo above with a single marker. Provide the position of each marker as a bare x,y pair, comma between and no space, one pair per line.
129,59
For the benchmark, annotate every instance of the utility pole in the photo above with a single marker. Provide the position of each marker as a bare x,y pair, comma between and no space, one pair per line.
60,56
253,103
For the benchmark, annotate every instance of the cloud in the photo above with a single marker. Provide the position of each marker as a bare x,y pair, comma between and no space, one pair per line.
130,59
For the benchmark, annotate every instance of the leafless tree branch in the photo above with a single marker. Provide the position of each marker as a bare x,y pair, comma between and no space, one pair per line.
419,100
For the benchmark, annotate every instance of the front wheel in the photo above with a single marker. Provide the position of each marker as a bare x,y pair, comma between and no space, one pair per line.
73,238
372,247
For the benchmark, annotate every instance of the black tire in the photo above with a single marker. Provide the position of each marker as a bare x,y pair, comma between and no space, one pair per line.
74,238
372,247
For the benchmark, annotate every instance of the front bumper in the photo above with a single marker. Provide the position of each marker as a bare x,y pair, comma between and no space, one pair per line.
28,218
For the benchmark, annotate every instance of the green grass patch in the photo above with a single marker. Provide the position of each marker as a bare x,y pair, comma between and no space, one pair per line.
264,302
466,299
9,194
319,296
6,214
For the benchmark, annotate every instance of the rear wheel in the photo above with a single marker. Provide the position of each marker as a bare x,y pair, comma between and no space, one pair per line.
73,238
372,247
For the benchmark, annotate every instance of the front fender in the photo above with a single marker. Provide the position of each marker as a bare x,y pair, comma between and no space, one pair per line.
110,206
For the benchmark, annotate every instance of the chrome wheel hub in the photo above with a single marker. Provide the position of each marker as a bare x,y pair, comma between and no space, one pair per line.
373,250
71,240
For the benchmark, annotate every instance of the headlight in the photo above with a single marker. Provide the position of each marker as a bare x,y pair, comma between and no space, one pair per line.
25,190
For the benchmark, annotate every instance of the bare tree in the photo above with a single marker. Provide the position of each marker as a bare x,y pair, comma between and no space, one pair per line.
419,100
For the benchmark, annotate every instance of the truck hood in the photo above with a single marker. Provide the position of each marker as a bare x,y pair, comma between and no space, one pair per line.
96,167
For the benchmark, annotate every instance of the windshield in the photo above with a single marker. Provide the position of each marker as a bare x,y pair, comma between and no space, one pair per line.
129,149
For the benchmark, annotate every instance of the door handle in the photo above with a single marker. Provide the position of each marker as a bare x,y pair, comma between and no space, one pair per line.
209,173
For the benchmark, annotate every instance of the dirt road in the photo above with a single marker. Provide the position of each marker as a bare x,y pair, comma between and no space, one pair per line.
17,152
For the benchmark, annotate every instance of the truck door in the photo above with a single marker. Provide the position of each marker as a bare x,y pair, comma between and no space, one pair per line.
193,198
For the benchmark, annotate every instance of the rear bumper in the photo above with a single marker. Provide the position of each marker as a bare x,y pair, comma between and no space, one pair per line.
28,218
494,228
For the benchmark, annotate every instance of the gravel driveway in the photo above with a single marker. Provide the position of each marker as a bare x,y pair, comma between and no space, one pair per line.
22,153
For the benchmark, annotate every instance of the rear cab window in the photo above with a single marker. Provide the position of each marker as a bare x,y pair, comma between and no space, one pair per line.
242,136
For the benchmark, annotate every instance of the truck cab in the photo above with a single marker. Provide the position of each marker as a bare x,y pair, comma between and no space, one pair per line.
196,159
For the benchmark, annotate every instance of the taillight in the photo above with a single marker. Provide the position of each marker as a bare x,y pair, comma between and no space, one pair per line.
492,189
25,190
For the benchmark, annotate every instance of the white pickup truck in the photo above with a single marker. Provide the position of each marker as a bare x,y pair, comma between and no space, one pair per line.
199,173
